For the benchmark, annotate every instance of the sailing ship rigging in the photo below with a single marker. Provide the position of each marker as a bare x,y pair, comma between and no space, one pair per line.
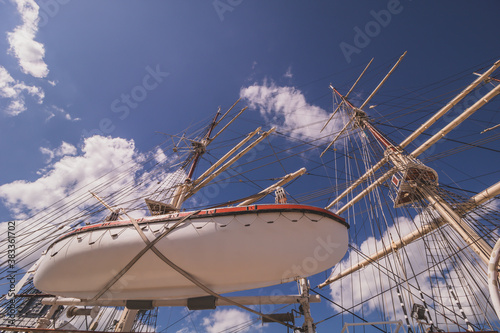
417,257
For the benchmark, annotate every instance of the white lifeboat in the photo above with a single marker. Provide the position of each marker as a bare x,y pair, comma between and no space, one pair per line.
226,249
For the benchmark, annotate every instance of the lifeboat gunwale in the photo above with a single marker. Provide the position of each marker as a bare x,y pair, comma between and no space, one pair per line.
225,211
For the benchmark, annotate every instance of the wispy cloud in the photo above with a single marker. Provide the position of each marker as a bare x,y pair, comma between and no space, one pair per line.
47,207
23,46
185,330
229,319
288,73
54,109
15,91
63,150
287,108
101,160
100,157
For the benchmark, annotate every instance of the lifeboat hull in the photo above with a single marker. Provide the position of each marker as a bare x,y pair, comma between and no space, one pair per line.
227,249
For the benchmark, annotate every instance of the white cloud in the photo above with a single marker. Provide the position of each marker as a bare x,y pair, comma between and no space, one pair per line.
64,149
363,285
100,157
15,91
223,320
185,330
54,109
160,156
15,107
286,108
288,73
51,115
47,151
23,46
102,160
47,207
373,286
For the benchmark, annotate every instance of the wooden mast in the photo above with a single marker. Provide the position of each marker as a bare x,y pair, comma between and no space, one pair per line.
425,189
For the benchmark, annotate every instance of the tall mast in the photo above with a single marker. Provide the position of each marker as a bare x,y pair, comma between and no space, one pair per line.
182,192
484,77
424,179
200,150
420,180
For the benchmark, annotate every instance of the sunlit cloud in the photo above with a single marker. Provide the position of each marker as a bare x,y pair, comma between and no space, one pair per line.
15,91
367,290
63,150
23,46
287,109
53,110
229,319
99,157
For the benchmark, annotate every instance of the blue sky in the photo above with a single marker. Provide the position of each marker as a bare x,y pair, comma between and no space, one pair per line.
130,69
95,52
